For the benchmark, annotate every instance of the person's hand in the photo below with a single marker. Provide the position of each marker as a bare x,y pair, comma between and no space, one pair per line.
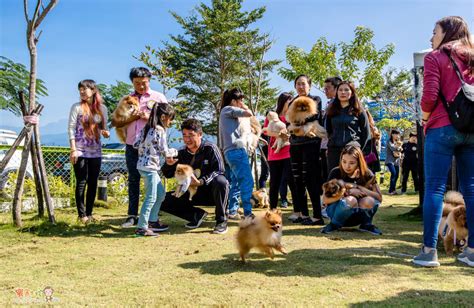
73,156
105,133
195,181
144,115
356,192
171,160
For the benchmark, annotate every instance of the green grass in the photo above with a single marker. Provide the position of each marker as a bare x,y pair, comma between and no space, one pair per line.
103,264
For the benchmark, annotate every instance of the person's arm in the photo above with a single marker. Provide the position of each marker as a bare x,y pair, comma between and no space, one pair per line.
329,200
431,85
169,167
216,166
71,131
374,192
365,130
105,131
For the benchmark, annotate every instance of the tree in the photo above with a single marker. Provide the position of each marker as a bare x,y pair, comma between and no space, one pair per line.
396,96
214,54
111,94
322,62
14,77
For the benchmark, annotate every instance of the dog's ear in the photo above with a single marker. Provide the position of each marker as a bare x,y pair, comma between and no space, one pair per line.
277,211
268,214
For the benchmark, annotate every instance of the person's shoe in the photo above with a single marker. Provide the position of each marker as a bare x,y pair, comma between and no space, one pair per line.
330,227
220,228
197,223
284,204
427,259
130,222
92,219
298,220
371,229
83,220
467,256
393,193
251,216
403,192
308,221
145,232
235,216
156,226
293,216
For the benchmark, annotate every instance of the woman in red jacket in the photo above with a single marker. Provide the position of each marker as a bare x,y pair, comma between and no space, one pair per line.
442,141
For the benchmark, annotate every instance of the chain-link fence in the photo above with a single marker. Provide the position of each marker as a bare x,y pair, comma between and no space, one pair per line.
61,179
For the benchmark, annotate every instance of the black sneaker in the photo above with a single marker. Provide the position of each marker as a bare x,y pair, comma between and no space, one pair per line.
284,204
220,228
130,222
298,220
156,226
330,227
197,223
371,229
310,222
145,232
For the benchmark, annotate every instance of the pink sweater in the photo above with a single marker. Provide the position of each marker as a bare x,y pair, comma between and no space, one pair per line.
440,74
284,152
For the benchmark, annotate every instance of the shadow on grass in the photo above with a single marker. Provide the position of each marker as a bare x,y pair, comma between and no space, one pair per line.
307,262
425,298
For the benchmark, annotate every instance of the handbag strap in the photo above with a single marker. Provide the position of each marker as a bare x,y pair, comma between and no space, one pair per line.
455,66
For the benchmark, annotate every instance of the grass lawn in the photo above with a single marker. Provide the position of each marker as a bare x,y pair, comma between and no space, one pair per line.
103,264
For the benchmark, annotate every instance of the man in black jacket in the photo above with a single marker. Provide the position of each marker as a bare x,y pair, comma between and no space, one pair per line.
410,162
213,188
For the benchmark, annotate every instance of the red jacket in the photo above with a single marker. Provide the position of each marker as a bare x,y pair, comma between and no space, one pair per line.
440,74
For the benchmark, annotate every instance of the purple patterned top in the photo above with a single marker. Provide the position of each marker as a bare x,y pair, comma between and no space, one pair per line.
85,146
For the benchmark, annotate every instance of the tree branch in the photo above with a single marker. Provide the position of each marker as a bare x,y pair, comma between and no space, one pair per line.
50,6
35,15
25,5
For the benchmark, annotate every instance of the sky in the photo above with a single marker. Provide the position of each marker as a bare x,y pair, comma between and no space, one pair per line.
97,39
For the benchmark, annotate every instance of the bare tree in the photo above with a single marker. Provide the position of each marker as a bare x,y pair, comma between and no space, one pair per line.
33,23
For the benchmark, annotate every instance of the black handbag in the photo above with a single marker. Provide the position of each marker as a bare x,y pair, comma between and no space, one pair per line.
461,109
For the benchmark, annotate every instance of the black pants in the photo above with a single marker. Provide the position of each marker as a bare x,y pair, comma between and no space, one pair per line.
307,176
333,157
406,169
263,168
131,157
278,170
284,185
324,164
215,194
87,172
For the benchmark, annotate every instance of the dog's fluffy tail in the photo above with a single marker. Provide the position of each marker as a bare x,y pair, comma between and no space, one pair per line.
454,197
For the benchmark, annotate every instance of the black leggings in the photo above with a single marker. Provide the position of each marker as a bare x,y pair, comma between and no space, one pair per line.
307,176
280,169
87,172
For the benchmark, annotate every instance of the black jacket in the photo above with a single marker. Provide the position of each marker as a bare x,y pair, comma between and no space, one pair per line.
344,128
207,162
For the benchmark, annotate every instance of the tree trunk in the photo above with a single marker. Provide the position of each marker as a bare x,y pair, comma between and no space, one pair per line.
17,198
42,167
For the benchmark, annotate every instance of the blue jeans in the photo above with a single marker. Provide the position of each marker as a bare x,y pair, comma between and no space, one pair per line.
154,196
394,171
239,174
342,215
440,146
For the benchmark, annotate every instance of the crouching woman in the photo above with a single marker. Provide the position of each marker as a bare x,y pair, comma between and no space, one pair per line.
356,201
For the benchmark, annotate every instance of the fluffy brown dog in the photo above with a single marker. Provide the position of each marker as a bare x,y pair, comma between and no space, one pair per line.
263,232
122,113
183,175
453,226
276,128
334,188
299,111
260,198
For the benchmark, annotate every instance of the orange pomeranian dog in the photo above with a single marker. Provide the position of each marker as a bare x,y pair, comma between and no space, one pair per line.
183,175
453,225
124,112
263,232
301,115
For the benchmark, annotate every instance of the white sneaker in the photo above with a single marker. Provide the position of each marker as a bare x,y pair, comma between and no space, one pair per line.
293,216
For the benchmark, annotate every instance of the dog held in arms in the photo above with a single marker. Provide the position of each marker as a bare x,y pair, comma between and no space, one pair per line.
302,116
263,232
250,130
453,226
126,107
276,128
183,176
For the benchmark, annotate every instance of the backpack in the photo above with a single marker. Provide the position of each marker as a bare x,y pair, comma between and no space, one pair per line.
461,109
